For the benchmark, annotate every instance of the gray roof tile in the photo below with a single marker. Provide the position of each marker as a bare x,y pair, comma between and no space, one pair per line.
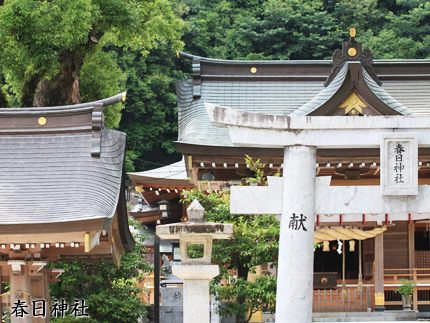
384,96
49,178
282,97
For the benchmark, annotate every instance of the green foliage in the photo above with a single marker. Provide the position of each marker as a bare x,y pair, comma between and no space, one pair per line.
72,319
255,242
150,116
251,296
38,37
406,288
195,250
101,78
4,102
272,29
110,293
258,168
303,29
358,14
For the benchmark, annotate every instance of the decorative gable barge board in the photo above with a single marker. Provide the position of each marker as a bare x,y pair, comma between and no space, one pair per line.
127,240
354,80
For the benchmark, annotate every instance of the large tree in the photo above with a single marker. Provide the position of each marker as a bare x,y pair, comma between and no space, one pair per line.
44,44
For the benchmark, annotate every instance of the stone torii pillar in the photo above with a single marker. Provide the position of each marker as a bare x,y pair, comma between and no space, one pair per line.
196,272
295,274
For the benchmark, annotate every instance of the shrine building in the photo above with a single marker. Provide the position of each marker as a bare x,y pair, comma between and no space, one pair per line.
61,197
355,86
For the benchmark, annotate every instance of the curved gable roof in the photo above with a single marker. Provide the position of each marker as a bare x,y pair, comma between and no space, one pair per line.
62,176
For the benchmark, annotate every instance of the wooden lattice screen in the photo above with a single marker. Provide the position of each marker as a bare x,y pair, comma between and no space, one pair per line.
422,259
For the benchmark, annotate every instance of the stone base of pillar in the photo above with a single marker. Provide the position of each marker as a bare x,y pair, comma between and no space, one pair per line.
196,290
379,308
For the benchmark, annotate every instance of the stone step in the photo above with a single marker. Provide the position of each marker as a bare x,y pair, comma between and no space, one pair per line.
387,316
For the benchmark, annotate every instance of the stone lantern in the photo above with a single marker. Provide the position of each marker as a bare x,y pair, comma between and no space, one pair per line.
196,272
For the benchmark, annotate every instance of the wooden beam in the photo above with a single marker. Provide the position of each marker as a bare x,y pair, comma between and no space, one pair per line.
35,268
54,273
91,240
20,288
379,271
44,228
65,237
116,256
210,152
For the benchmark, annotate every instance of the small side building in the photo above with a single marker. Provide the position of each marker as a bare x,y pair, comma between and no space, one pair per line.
61,195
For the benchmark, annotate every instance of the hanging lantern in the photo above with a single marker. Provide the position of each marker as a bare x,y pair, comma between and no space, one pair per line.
351,245
326,246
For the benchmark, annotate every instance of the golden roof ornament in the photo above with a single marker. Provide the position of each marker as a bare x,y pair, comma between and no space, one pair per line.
352,51
353,105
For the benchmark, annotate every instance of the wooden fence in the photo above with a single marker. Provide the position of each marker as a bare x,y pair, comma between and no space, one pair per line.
332,300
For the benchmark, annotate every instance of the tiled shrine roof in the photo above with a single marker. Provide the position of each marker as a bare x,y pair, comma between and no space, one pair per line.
48,178
61,170
287,88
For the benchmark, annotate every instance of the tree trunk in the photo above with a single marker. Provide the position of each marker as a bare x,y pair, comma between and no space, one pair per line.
63,88
242,272
3,100
240,319
28,90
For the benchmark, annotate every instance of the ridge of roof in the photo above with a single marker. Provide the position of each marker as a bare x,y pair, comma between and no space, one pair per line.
245,62
31,110
292,62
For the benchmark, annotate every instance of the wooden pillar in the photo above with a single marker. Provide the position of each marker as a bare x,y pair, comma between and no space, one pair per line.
411,253
156,279
411,244
40,292
1,290
379,273
20,287
360,271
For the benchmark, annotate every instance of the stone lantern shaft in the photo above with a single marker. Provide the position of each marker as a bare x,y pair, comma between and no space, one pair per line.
196,272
